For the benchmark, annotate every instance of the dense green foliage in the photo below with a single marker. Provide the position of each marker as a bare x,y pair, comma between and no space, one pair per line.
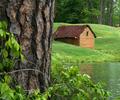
71,85
88,11
75,11
17,93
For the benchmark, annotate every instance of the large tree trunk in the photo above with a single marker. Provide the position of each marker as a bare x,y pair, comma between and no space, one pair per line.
31,21
109,12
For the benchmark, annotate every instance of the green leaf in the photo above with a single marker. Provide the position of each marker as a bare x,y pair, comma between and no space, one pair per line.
2,33
22,57
8,44
16,45
5,53
1,67
3,25
7,79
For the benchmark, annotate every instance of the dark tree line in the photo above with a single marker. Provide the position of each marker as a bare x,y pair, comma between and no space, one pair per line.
87,11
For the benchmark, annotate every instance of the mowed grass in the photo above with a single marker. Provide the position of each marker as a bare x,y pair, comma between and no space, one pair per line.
66,52
107,46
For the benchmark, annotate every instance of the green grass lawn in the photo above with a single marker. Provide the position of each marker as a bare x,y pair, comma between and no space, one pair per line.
107,46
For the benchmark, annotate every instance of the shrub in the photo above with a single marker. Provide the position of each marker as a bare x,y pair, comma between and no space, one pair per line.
17,93
69,84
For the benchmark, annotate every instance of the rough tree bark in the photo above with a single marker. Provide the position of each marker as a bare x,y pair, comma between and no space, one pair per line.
31,21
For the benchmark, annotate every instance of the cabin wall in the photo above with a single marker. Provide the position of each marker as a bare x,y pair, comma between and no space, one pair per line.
87,39
69,40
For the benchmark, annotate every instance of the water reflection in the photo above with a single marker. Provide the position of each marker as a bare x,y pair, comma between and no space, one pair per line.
108,73
86,69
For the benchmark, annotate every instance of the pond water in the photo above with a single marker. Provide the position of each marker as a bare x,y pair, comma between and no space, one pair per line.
108,73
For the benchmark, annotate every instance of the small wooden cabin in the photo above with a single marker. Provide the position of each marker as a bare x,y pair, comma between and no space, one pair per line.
81,35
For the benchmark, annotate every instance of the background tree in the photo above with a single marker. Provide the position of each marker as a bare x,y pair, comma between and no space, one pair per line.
77,11
31,21
87,11
116,15
102,11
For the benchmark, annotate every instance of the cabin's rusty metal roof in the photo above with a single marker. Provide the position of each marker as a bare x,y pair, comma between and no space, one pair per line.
71,31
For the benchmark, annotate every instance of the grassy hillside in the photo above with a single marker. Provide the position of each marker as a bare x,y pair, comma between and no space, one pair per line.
106,46
64,52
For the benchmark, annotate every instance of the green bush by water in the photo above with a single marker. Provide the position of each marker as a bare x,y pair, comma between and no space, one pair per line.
71,85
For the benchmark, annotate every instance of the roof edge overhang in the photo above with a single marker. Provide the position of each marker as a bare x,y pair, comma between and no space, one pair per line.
67,38
91,30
